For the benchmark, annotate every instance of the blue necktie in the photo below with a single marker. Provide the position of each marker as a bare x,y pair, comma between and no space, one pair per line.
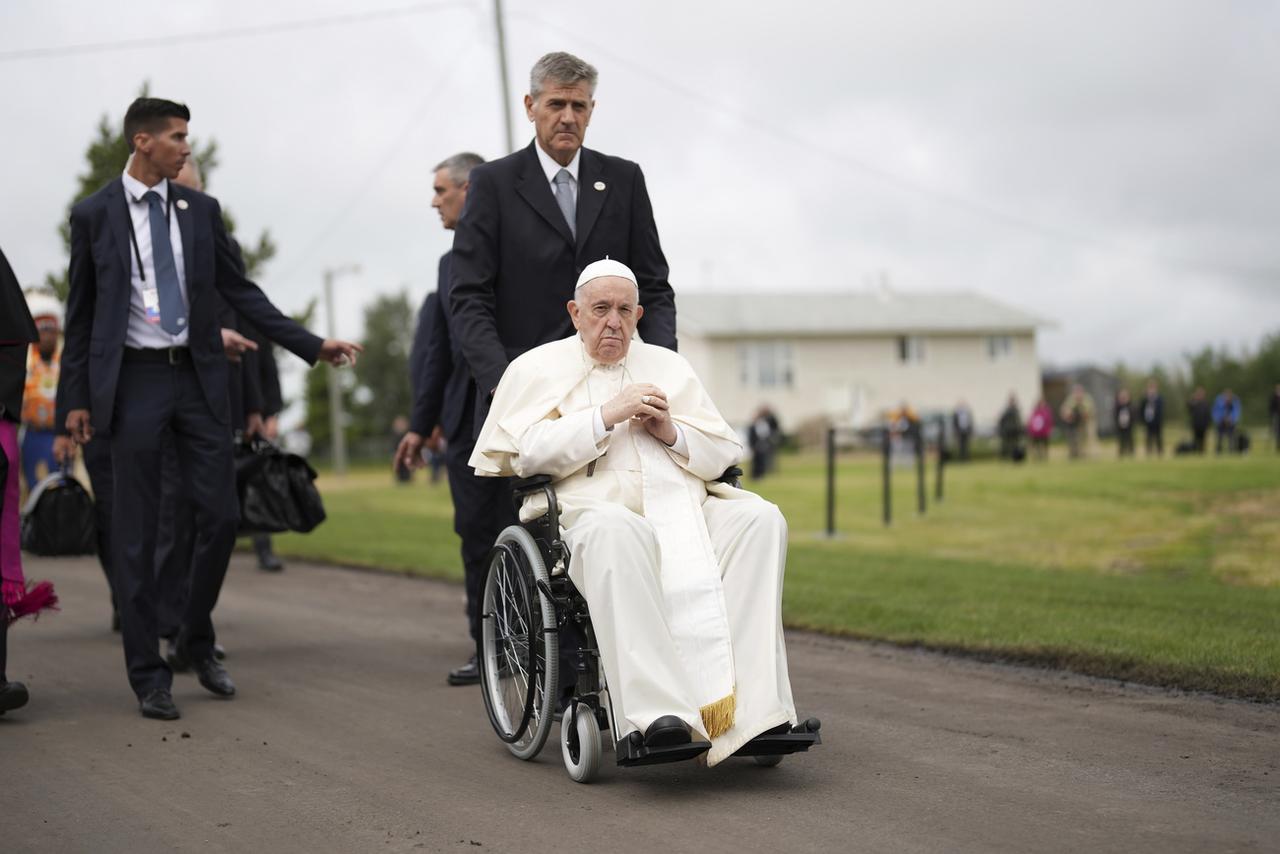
173,313
564,198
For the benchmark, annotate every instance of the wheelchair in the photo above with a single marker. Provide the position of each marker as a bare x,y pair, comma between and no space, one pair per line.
528,605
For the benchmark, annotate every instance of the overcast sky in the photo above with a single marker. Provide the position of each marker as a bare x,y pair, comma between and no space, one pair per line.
1111,167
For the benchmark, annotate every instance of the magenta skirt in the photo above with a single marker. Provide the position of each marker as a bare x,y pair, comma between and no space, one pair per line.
16,599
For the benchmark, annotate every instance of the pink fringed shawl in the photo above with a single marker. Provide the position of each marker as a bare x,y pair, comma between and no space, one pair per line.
16,598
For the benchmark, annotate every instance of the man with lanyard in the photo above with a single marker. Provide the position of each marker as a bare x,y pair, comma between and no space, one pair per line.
144,361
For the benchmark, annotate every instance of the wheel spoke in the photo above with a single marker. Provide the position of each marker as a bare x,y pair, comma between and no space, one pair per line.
516,669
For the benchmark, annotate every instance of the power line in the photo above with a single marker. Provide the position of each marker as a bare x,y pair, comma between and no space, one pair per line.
147,42
959,202
382,163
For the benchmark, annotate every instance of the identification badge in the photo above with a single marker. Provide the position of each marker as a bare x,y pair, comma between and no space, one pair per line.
151,304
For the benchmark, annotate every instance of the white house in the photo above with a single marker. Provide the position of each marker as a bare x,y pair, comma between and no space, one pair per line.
850,357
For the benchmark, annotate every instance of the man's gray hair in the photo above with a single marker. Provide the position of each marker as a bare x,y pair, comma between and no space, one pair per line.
459,166
564,69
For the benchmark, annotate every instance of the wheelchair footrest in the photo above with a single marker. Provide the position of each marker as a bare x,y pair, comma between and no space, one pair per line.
631,752
774,743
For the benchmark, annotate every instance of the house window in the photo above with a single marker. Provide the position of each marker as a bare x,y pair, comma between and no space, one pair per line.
999,347
765,364
910,349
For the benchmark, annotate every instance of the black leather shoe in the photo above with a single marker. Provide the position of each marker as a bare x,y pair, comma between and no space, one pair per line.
158,703
213,676
268,562
178,660
13,695
467,674
667,731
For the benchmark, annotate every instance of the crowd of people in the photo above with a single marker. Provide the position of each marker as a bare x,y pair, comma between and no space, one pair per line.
555,264
1077,419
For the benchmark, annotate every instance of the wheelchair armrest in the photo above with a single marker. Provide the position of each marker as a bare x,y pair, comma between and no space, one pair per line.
524,486
732,476
532,483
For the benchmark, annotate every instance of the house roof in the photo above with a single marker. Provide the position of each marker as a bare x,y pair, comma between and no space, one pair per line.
836,313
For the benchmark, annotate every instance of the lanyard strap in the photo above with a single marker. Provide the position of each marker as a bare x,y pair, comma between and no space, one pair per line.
133,236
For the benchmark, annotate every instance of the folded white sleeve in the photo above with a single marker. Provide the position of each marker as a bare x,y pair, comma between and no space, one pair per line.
560,446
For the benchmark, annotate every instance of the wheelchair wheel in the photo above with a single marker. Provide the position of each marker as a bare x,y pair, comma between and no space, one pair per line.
580,744
519,650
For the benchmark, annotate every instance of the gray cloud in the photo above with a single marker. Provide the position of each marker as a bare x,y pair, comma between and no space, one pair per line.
1108,166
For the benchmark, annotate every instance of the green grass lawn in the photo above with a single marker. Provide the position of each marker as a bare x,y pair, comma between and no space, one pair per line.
1164,572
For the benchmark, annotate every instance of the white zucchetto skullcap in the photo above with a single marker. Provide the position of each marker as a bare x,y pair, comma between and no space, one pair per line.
606,267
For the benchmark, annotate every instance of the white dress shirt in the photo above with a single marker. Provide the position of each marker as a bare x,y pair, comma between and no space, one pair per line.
140,333
552,169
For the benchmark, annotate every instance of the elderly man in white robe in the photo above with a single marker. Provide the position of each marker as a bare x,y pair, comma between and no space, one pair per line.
682,574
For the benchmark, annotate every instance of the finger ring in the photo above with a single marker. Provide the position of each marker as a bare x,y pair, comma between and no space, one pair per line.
644,399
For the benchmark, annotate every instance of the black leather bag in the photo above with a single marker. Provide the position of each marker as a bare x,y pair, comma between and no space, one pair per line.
277,490
58,519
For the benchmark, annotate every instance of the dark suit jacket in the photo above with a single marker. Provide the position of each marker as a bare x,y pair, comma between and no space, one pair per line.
98,304
1157,412
255,384
444,389
17,333
421,337
515,262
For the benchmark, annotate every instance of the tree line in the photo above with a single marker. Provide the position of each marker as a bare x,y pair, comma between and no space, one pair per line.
374,393
1252,374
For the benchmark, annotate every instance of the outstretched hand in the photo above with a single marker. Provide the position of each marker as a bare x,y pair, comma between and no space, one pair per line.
339,353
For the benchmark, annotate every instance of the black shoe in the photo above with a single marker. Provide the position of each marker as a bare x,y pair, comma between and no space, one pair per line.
213,676
268,562
13,695
467,674
218,652
667,731
158,703
179,661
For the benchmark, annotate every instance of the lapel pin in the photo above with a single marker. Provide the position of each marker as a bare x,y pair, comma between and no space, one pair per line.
599,185
182,204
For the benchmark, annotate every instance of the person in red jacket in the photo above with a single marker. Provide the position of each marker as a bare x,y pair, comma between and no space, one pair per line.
1039,428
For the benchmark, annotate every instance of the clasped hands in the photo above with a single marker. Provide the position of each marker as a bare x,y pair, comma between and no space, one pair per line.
645,403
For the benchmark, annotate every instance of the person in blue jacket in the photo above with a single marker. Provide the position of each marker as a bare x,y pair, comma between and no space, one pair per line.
1226,417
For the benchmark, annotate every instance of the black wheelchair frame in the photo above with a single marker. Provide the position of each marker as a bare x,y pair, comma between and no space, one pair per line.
529,607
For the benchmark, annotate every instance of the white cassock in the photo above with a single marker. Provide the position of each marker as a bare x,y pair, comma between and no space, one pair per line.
683,575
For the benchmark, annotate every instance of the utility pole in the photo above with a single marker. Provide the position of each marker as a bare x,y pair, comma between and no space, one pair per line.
337,428
502,76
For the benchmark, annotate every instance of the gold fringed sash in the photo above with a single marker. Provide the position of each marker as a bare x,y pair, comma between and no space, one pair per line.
691,587
718,717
